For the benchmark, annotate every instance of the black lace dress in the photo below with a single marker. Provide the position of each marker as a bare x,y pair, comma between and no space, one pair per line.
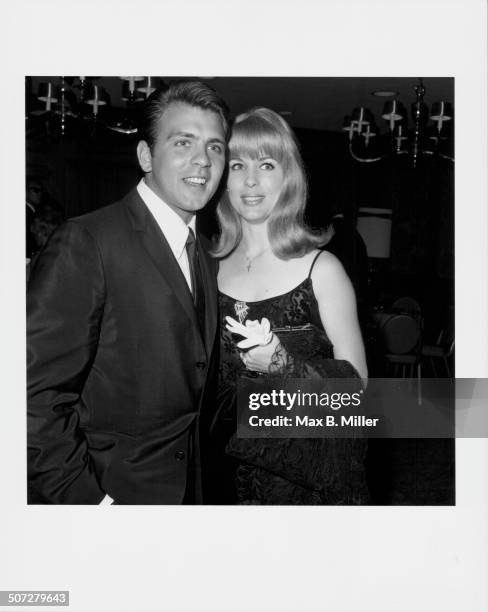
287,471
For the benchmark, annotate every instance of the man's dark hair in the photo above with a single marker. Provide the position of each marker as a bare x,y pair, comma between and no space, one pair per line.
193,93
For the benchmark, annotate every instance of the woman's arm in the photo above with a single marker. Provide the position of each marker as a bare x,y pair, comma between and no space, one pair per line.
337,306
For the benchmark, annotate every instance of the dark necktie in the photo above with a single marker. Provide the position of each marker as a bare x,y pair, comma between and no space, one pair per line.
199,302
196,279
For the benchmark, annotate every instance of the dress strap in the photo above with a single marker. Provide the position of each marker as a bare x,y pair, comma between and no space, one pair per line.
313,262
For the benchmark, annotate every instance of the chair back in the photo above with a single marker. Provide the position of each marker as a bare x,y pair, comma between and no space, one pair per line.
401,333
408,305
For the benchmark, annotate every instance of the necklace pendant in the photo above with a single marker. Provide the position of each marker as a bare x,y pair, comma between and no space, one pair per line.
241,310
250,260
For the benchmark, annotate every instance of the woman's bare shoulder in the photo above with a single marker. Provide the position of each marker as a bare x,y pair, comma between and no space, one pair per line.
329,277
326,264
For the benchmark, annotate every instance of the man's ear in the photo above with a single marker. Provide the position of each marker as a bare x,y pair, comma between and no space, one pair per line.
144,156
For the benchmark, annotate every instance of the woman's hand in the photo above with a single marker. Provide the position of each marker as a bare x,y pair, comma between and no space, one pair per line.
264,349
254,332
261,358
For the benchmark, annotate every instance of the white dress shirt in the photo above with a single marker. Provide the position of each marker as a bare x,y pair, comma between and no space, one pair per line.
175,230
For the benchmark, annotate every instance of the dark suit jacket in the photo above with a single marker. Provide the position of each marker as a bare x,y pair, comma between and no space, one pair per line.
118,371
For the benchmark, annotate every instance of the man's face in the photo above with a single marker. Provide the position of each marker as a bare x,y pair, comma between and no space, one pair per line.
187,159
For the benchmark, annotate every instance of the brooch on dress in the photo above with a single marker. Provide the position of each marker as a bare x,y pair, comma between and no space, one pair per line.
241,309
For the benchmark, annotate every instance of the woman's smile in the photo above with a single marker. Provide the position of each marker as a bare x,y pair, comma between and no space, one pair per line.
252,200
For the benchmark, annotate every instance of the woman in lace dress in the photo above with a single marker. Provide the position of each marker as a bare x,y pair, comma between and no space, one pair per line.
270,266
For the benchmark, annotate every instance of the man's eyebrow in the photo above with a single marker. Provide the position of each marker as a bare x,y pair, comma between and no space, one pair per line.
191,135
181,134
216,139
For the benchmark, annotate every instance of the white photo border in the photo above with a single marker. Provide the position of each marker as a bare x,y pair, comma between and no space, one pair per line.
258,558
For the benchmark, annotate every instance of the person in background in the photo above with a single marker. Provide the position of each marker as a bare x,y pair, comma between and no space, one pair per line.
33,196
347,244
46,219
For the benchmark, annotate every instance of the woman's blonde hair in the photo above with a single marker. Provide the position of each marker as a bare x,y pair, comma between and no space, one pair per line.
257,133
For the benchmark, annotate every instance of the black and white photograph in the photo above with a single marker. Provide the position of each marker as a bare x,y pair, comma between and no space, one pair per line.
328,222
246,306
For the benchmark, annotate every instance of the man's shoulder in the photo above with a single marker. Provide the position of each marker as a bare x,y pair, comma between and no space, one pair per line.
109,219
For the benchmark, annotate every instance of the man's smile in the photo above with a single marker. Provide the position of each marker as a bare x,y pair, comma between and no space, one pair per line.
195,180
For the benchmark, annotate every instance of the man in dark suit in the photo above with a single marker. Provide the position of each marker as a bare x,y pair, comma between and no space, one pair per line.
122,319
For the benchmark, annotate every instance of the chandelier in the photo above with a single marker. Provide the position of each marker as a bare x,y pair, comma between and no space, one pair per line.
84,102
426,136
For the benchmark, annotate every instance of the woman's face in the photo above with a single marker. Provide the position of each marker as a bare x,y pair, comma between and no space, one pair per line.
254,186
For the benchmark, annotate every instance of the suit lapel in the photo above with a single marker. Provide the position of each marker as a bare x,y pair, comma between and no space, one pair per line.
159,251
